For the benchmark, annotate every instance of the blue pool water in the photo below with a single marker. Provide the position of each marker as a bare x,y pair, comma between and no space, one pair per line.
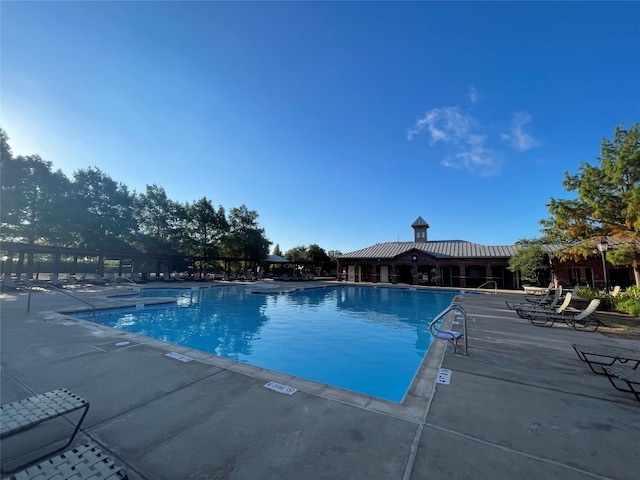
369,340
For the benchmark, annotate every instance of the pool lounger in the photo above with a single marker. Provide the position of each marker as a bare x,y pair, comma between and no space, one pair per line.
21,415
606,356
83,462
629,375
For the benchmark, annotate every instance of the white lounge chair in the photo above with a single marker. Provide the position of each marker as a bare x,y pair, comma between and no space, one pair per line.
526,310
584,320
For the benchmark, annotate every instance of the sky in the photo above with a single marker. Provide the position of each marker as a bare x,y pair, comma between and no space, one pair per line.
340,123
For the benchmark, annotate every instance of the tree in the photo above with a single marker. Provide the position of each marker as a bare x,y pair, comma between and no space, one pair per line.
246,238
607,203
206,227
298,254
35,200
530,260
319,257
333,257
5,148
276,250
161,221
334,254
104,217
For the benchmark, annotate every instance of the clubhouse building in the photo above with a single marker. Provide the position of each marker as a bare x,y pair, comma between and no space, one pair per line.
459,263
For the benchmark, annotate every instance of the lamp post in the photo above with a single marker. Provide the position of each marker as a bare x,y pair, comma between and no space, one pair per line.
603,246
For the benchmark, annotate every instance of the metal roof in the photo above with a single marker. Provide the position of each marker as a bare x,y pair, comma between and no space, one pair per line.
457,249
438,249
420,222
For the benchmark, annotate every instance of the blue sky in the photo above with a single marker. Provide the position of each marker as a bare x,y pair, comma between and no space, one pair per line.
338,122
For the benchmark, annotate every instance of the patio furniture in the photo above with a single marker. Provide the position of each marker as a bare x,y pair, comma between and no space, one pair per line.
628,375
547,301
606,356
83,462
584,320
537,297
527,309
22,415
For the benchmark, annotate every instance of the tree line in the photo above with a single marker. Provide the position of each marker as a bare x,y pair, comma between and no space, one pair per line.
93,211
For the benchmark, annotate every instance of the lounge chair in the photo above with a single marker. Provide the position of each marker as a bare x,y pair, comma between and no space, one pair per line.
83,462
527,310
530,289
584,320
55,281
99,280
547,301
627,375
538,297
21,415
9,283
606,356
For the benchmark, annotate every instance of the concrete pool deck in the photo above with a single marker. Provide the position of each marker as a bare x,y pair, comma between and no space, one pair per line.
521,405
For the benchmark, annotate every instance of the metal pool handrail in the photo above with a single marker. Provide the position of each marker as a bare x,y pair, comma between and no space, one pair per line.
495,286
451,335
53,287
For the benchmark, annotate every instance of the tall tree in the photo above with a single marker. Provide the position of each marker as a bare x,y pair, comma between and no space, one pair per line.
5,148
299,253
607,203
206,227
161,221
319,257
105,211
246,238
35,200
334,254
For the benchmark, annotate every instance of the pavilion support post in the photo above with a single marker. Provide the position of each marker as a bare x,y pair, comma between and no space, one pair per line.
56,267
8,267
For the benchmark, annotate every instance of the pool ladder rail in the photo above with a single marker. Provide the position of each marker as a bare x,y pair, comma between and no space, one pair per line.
451,335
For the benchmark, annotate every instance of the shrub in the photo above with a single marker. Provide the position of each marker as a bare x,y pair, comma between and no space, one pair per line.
629,301
585,292
607,301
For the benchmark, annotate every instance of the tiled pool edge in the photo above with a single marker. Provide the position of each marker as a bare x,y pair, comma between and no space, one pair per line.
413,407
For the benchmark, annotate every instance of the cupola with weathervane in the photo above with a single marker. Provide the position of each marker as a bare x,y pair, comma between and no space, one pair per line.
420,227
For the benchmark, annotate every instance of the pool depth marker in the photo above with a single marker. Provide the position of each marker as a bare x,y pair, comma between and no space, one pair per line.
278,387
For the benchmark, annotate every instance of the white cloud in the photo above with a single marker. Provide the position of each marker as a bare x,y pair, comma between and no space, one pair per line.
458,130
474,96
447,124
517,137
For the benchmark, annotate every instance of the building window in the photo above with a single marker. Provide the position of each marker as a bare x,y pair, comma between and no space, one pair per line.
578,275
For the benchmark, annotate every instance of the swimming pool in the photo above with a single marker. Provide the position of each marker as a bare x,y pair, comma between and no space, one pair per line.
365,339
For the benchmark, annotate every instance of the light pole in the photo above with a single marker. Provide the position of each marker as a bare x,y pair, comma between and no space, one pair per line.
603,246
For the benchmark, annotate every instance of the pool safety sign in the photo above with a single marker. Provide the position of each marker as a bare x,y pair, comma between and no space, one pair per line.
444,376
179,356
278,387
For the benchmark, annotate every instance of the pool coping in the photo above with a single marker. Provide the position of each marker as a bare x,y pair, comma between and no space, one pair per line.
414,406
